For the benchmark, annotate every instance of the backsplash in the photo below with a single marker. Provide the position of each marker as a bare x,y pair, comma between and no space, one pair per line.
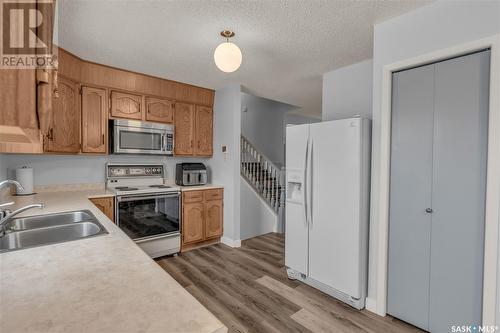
75,169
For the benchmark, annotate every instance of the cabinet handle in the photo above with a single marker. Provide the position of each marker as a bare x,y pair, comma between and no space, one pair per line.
191,145
103,139
50,135
55,83
429,210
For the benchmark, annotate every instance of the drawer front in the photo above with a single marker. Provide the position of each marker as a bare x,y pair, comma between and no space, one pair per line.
213,194
192,196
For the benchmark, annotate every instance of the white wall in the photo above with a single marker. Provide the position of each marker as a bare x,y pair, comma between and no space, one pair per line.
257,218
297,119
347,91
226,167
262,124
436,26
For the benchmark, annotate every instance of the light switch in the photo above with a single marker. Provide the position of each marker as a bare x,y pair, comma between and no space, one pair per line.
224,151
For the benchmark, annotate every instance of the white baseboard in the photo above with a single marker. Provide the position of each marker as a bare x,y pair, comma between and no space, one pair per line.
231,242
371,305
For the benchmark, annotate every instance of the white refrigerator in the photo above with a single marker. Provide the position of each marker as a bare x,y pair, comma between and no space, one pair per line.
327,207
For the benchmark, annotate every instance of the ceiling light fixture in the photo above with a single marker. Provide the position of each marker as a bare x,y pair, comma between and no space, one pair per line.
227,55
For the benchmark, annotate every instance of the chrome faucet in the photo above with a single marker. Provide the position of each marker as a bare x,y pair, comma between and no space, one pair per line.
8,182
10,215
5,214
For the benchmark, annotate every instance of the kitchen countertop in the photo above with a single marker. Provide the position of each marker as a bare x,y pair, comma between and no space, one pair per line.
200,187
99,284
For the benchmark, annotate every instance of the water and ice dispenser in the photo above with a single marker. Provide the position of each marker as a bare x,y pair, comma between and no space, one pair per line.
295,186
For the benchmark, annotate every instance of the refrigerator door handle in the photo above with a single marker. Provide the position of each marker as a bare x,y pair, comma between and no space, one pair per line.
306,213
310,183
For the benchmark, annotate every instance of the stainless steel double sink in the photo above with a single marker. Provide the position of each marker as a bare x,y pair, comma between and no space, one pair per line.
32,231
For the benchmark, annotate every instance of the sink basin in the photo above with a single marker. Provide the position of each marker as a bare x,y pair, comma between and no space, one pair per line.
47,229
49,220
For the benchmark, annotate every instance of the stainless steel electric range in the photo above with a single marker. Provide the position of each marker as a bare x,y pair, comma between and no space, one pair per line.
148,211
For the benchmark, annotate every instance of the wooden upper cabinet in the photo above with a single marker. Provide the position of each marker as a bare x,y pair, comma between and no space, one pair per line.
18,98
213,221
64,130
193,222
125,105
204,131
94,120
159,110
184,136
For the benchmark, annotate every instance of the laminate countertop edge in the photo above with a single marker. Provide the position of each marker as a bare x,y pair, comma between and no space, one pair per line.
201,187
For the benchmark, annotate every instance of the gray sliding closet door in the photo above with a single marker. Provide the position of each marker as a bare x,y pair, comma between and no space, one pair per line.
438,164
458,191
411,177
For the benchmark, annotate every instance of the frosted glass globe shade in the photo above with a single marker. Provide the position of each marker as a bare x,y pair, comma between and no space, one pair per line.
227,57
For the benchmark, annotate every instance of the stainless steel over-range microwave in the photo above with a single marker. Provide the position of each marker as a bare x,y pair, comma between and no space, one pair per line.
139,137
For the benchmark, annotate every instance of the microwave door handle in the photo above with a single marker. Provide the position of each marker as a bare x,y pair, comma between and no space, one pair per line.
163,143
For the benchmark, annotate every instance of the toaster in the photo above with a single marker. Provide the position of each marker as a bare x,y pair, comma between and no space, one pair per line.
190,174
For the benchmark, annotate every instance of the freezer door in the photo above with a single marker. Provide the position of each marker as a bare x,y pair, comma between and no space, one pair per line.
296,232
335,247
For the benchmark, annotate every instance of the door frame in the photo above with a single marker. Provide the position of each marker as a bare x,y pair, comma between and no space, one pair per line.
492,210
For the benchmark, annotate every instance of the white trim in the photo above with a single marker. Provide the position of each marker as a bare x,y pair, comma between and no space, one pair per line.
492,220
231,242
371,304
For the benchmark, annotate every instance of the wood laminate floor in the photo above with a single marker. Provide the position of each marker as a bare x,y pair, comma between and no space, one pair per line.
248,290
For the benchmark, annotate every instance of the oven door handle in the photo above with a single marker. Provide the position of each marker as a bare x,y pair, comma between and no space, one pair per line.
139,197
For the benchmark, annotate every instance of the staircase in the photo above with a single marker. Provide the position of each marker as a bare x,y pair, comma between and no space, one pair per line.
264,176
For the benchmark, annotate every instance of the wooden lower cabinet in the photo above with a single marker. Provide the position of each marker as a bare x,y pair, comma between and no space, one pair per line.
193,222
213,219
202,217
105,205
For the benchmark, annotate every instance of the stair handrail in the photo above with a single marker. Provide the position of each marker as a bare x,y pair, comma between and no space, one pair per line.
266,178
244,139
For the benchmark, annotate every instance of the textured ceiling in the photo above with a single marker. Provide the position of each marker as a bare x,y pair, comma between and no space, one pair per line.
286,45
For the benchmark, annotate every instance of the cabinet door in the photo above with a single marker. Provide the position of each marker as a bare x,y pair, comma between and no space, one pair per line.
64,131
125,105
160,110
18,98
193,222
184,129
204,131
213,219
94,120
105,205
